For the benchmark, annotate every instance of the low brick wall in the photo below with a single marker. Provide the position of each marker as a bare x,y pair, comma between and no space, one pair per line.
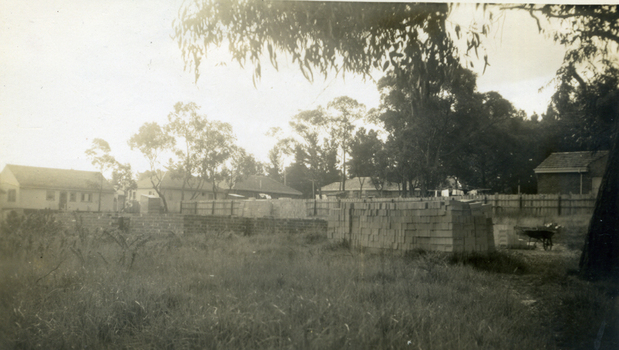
89,221
181,224
156,223
450,226
199,224
297,226
249,226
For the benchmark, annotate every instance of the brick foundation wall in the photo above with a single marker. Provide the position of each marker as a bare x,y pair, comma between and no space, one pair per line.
156,224
249,226
200,224
450,226
88,221
297,226
190,224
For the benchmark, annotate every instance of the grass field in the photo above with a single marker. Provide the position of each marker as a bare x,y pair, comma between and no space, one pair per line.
113,290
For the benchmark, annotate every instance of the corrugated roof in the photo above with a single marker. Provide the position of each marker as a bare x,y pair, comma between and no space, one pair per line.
30,176
264,184
569,160
354,185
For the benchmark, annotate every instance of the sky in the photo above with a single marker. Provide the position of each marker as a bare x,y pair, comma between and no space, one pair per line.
72,71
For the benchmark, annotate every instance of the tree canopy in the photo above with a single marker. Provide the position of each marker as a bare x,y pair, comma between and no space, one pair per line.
323,36
151,140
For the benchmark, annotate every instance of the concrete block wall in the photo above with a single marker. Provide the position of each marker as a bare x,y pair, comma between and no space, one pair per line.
195,224
284,208
287,208
506,237
188,224
138,223
156,224
450,226
256,209
295,226
88,221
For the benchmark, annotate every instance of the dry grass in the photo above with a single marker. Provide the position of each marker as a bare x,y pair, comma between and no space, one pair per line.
221,290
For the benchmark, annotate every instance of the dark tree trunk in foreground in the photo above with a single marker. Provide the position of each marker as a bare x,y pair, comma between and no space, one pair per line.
600,255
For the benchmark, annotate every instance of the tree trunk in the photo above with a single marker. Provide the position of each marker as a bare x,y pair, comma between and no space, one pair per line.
165,203
361,185
343,170
100,192
600,255
160,193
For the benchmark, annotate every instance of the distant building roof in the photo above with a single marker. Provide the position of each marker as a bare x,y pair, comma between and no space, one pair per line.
264,184
51,178
569,162
355,185
174,183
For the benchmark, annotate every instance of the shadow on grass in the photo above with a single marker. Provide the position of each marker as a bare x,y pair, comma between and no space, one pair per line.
496,262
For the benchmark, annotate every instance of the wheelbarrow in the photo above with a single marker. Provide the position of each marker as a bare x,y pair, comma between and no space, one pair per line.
542,234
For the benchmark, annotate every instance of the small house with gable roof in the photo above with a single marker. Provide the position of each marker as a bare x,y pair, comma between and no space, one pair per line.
257,186
27,187
174,192
571,172
360,187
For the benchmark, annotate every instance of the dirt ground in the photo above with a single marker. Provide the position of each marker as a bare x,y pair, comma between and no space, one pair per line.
553,291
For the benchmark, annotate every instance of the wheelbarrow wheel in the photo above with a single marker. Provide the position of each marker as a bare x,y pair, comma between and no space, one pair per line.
547,244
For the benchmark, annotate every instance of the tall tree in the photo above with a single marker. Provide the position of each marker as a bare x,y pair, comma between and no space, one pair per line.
278,155
123,178
495,152
427,120
213,149
315,147
99,154
152,141
186,125
239,167
365,154
345,111
590,118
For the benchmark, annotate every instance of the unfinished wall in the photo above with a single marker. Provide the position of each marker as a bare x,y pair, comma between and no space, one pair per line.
450,226
284,208
180,224
89,221
505,236
249,226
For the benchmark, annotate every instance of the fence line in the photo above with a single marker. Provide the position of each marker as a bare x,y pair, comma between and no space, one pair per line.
529,204
502,204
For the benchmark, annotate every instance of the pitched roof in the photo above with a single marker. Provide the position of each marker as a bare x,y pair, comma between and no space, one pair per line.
563,162
264,184
64,179
355,185
176,183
